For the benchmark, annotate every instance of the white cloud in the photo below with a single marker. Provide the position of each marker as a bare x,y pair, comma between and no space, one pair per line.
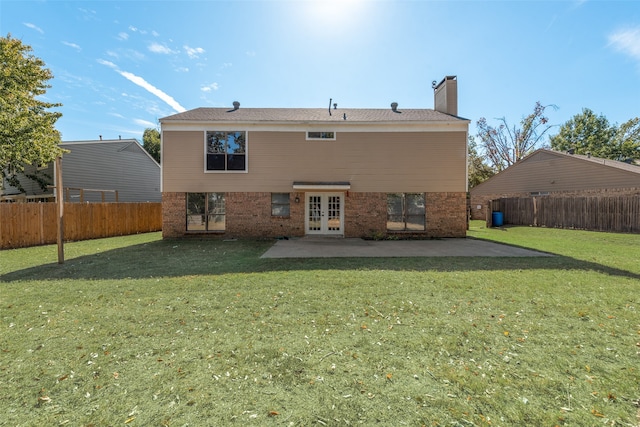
210,87
627,41
73,45
251,53
123,36
159,48
108,63
139,81
182,69
136,30
34,27
145,123
193,52
153,90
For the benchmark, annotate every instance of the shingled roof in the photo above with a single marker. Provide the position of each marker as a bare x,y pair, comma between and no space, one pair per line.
310,115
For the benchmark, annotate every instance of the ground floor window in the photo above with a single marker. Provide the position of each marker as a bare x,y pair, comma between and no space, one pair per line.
406,212
280,204
205,212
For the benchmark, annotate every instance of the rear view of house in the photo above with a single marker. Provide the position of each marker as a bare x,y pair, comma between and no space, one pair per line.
270,172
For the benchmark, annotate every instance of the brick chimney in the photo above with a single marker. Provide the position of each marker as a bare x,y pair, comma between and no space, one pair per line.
445,95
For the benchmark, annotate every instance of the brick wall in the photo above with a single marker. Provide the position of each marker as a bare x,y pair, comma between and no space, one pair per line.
446,214
249,215
174,207
365,214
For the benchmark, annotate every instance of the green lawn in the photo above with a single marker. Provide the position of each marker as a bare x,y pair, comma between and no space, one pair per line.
144,332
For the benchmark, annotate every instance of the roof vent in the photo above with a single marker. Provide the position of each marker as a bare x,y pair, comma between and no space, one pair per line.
236,105
394,107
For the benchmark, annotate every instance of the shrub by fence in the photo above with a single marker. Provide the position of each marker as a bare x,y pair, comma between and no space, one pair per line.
32,224
598,213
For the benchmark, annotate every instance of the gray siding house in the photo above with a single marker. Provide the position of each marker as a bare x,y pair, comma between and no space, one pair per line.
120,165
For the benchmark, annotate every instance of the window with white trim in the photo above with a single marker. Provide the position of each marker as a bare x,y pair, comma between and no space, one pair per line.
315,135
226,151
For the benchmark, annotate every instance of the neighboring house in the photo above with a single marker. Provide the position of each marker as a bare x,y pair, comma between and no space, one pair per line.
555,173
278,172
120,165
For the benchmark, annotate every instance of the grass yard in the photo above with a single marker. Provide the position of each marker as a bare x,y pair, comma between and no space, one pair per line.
144,332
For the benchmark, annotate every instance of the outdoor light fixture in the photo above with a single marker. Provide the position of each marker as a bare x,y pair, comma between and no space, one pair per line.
297,199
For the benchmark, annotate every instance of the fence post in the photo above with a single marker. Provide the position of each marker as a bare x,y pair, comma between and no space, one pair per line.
60,216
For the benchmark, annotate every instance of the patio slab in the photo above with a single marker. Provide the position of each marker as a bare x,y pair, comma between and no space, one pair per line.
332,247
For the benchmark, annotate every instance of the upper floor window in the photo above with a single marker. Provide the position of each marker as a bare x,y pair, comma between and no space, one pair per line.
321,135
226,151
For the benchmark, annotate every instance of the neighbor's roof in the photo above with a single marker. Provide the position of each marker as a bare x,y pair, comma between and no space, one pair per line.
310,115
606,162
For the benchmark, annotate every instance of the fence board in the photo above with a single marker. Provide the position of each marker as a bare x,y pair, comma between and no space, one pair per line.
32,224
598,213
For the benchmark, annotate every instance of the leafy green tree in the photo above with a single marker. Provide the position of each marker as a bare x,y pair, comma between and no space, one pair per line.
27,132
587,133
479,171
584,133
151,142
504,145
625,145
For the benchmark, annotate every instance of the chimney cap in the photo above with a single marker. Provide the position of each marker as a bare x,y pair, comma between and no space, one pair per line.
394,106
236,105
436,86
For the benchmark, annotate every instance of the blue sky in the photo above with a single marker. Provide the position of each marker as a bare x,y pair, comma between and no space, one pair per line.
119,66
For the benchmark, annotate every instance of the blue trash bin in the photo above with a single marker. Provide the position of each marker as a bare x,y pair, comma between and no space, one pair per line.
496,219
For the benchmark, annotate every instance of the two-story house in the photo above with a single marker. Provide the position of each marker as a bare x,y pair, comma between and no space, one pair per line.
270,172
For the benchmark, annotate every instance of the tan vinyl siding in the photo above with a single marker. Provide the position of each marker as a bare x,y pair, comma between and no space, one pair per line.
370,161
554,172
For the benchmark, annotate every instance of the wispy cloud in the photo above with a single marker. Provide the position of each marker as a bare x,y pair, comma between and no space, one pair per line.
73,45
139,81
209,87
34,27
145,123
136,30
194,52
159,48
626,41
123,36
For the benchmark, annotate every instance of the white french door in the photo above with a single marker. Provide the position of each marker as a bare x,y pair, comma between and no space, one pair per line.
324,213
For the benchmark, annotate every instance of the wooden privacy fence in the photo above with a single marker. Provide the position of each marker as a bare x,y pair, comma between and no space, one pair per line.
598,213
32,224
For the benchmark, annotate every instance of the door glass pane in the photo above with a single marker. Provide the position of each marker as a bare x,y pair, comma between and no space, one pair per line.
333,213
315,213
